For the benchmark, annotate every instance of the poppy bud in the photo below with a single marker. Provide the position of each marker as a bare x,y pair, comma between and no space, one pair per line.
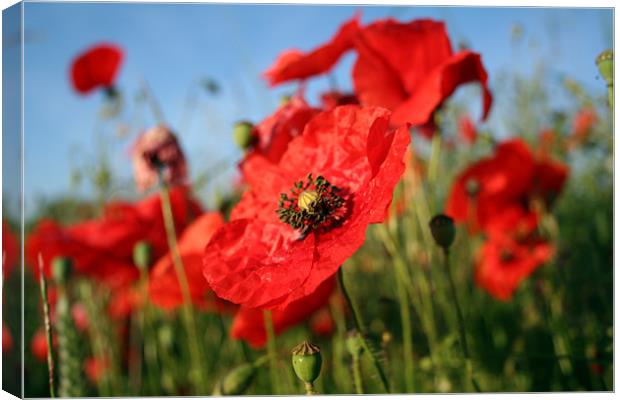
244,135
306,199
354,344
142,254
61,269
307,361
605,63
237,380
442,228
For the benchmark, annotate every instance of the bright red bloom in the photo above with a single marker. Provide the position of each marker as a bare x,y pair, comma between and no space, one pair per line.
258,260
164,288
10,250
95,368
411,69
154,149
103,248
467,129
510,256
276,131
7,339
295,65
249,323
96,68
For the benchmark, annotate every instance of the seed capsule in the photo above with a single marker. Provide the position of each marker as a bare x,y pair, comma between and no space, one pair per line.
605,63
307,361
442,229
244,135
307,199
142,254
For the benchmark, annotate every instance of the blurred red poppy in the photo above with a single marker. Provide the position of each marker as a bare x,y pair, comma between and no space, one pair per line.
164,288
296,65
38,345
249,323
276,131
583,122
330,184
467,129
158,148
411,69
95,368
10,250
322,323
96,68
7,339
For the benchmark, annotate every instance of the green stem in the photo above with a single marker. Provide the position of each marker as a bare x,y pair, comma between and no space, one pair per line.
359,325
198,370
357,375
271,351
461,322
309,386
48,327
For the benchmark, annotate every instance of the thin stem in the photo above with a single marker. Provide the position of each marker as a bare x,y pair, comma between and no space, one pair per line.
187,312
271,351
359,325
357,375
461,322
309,386
48,327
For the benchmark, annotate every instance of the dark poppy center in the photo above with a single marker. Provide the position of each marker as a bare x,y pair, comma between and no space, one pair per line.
313,204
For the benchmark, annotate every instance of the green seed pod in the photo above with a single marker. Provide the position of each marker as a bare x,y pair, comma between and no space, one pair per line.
307,361
237,380
142,255
244,135
354,344
605,63
442,228
61,269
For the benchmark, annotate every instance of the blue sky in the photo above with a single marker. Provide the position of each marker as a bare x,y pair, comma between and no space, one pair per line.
172,45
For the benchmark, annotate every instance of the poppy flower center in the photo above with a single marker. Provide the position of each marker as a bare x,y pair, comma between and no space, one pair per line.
312,204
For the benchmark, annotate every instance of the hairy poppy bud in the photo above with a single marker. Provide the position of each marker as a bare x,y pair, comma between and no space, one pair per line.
142,254
243,135
605,63
306,199
61,269
237,380
307,361
354,344
442,228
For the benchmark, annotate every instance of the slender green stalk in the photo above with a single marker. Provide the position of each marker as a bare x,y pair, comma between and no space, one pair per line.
271,351
48,327
198,370
433,163
359,325
309,386
461,322
357,374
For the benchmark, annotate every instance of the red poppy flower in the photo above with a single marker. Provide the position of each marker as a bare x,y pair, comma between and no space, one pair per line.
489,185
103,248
95,368
303,217
249,323
96,68
410,68
294,64
164,288
467,130
38,345
154,149
583,122
10,250
548,180
7,339
276,131
322,323
509,257
80,316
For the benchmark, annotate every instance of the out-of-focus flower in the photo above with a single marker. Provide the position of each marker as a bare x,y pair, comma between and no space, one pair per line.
96,68
154,150
103,248
164,288
583,122
333,99
80,316
410,68
546,141
38,345
276,131
10,250
509,256
7,339
249,323
296,65
322,323
95,368
467,129
331,183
